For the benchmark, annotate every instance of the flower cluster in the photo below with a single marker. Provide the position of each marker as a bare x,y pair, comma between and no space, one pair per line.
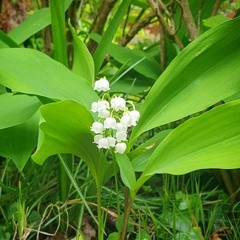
115,118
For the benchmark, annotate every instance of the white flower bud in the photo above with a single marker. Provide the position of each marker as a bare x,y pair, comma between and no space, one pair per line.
110,123
101,85
120,148
103,143
97,127
118,103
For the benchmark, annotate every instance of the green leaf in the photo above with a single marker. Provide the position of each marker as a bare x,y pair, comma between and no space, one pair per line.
58,31
83,63
33,24
126,170
141,154
208,141
66,129
18,142
215,20
102,48
205,72
16,109
147,65
6,40
30,71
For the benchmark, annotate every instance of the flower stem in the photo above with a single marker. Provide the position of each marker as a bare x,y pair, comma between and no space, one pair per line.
116,183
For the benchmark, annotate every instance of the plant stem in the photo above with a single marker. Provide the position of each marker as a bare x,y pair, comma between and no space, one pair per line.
100,217
116,182
127,209
64,182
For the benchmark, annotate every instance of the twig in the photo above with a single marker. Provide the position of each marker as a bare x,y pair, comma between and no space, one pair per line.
136,28
99,22
162,20
47,35
188,19
163,53
216,7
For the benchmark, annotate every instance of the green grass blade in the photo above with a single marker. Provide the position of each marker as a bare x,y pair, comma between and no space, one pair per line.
102,48
75,185
58,31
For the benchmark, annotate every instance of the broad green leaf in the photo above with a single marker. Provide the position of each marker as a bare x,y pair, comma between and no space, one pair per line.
126,170
30,71
211,140
33,24
66,129
6,40
18,142
140,155
134,85
147,65
16,109
205,72
107,37
215,20
83,63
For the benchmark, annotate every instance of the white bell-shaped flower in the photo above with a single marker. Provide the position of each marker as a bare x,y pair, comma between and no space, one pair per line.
111,141
134,115
110,123
104,113
126,120
121,127
103,143
94,107
118,103
121,136
100,106
97,127
101,85
97,138
103,105
120,148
